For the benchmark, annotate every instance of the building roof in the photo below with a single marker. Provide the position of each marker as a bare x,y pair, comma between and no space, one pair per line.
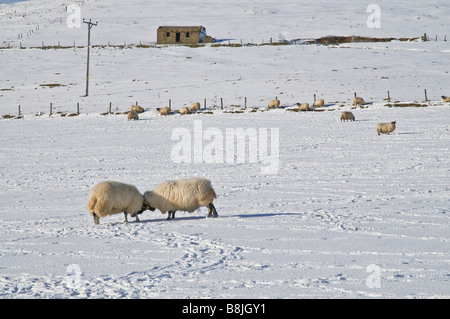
182,28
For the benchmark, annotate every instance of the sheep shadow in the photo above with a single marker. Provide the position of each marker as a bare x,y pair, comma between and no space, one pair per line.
164,219
261,215
198,217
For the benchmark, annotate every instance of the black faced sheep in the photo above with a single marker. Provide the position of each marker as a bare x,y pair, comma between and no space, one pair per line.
109,197
347,116
385,128
184,194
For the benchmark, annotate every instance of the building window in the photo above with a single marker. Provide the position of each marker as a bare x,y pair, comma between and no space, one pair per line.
187,34
167,34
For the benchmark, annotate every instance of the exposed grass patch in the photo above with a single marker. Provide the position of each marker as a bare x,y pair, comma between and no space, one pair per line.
52,85
407,104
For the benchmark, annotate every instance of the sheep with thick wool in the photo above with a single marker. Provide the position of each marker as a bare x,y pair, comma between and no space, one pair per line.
304,107
195,106
184,110
445,98
184,194
274,104
132,116
347,116
164,110
319,103
385,128
110,197
137,109
358,101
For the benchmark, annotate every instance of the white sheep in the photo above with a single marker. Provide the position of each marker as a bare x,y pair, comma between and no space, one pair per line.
195,106
358,100
109,198
184,194
274,104
385,128
445,98
184,110
303,106
137,109
319,103
347,116
164,110
132,116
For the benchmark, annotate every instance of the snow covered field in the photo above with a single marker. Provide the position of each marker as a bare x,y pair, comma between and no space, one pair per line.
347,213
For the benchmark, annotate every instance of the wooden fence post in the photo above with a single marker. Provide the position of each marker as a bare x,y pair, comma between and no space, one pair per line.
221,103
51,109
110,105
426,98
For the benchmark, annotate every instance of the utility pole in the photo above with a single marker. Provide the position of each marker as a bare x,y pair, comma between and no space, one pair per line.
90,25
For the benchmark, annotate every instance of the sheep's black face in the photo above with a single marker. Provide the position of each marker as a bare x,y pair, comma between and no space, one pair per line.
147,206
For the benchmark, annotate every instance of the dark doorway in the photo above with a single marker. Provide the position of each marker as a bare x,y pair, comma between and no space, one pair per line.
177,37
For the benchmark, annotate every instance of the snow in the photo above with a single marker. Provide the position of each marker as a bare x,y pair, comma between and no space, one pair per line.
347,214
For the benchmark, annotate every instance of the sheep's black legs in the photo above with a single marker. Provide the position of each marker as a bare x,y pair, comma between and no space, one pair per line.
171,213
212,209
96,219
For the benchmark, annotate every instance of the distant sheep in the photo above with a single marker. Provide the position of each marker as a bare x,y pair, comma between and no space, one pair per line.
132,116
195,106
164,110
358,100
303,106
319,103
347,116
385,128
184,194
137,109
445,98
274,104
184,110
109,198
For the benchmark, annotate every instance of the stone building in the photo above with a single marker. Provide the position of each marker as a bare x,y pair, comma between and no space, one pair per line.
182,35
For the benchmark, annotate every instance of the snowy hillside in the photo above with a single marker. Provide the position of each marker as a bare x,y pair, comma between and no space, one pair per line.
342,213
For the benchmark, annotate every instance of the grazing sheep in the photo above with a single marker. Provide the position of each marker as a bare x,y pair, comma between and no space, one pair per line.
164,110
319,103
303,106
137,109
347,116
132,116
358,100
274,104
195,106
184,194
109,198
184,110
385,128
445,98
